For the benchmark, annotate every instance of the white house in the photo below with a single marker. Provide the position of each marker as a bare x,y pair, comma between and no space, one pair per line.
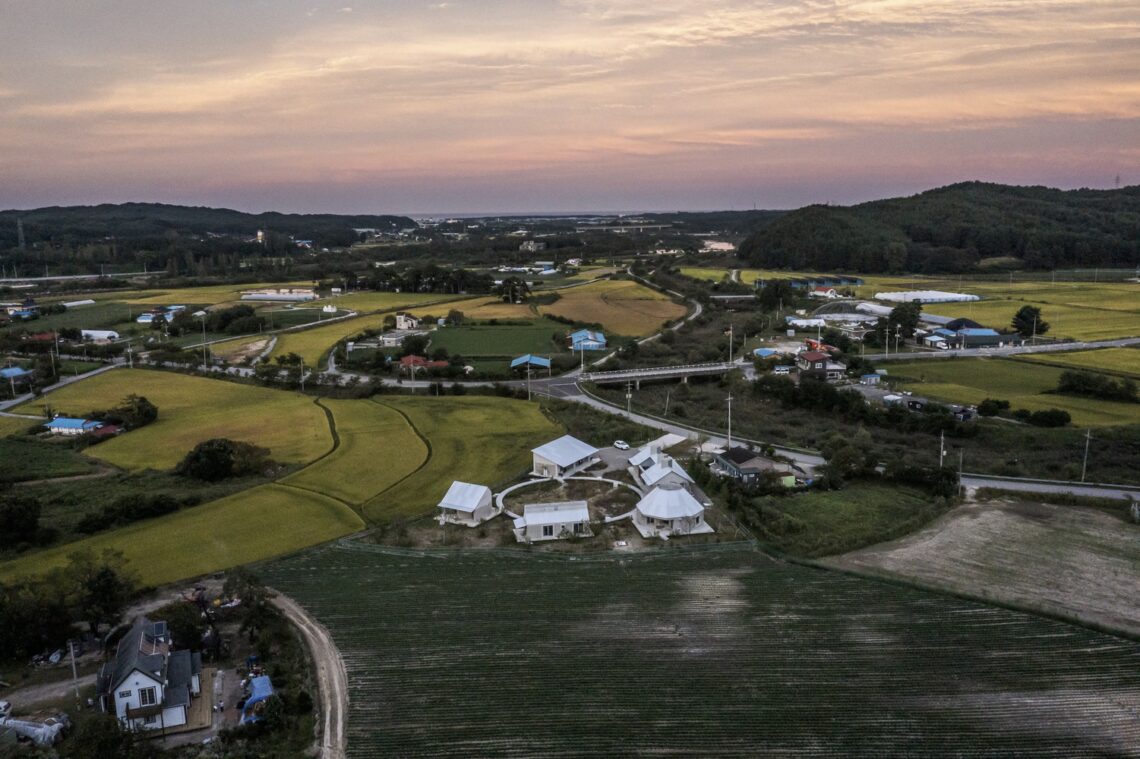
563,457
406,321
824,292
551,521
99,335
652,467
670,510
466,504
147,686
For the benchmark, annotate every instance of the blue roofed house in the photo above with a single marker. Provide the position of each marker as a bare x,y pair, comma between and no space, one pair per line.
530,360
63,425
587,340
146,685
14,375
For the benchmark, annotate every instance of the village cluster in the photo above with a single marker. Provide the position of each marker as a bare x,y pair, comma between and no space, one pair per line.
669,504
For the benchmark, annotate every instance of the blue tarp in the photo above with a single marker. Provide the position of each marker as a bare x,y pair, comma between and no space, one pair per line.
262,689
764,352
13,372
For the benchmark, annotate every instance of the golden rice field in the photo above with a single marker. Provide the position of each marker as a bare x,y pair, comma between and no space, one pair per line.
313,344
622,307
206,296
192,410
1079,322
377,448
495,308
1115,360
477,439
10,425
1024,385
256,524
367,302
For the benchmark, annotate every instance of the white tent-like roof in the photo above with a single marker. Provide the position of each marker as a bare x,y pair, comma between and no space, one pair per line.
565,451
667,502
661,468
463,496
553,513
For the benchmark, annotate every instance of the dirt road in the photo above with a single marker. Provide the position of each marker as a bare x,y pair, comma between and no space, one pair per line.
332,679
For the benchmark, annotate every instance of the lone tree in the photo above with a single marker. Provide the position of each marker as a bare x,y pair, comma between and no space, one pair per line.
514,290
1028,322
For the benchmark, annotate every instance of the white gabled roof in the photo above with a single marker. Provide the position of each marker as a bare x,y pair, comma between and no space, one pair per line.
645,454
663,466
565,451
463,496
669,503
554,513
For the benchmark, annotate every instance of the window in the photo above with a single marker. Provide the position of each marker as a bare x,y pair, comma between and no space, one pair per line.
548,531
579,528
150,720
147,697
124,694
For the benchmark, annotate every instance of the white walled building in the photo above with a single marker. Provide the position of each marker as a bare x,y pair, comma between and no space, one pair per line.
466,504
147,686
551,521
670,510
563,457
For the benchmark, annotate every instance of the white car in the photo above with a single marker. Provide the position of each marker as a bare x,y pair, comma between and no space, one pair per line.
621,445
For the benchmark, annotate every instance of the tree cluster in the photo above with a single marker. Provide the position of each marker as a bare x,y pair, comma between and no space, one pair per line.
222,458
1097,386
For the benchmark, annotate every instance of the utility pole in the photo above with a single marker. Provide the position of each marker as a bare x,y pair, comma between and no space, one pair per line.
528,381
730,342
941,447
729,400
1085,464
629,397
74,673
203,343
961,488
302,375
898,330
668,395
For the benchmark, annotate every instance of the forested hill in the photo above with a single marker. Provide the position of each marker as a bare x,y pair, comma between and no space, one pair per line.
957,228
132,221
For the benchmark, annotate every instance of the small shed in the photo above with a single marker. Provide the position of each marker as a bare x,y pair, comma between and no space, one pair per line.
551,521
466,504
670,510
530,360
870,379
563,457
587,340
14,374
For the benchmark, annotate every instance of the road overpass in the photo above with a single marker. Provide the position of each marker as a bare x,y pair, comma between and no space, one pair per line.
657,373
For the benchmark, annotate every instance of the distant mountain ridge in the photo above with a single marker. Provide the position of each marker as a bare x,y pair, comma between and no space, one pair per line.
954,228
135,220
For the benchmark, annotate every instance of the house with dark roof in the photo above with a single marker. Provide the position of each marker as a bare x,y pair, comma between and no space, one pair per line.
819,365
146,685
747,466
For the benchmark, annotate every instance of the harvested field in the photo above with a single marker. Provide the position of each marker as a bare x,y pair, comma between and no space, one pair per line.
1068,560
242,349
367,302
255,524
376,449
495,308
190,411
622,307
717,652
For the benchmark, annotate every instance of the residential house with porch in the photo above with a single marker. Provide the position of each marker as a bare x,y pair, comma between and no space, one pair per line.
563,457
466,504
552,521
670,510
146,685
747,466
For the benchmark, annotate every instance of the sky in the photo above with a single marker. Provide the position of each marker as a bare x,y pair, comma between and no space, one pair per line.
559,105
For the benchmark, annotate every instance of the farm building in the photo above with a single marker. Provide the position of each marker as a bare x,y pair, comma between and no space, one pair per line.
99,335
63,425
14,374
466,504
415,363
282,294
406,321
587,340
563,457
926,296
870,379
829,293
969,337
529,360
551,521
670,510
147,686
747,466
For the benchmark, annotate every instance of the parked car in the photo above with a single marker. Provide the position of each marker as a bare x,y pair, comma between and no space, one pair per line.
621,445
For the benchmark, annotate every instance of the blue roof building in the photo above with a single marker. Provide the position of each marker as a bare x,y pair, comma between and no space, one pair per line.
63,425
14,373
764,352
262,688
531,360
587,340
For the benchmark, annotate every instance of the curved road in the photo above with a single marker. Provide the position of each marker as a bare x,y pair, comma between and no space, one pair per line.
332,679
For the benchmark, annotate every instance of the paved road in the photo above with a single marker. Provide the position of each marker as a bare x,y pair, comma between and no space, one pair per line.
1123,493
1006,351
5,405
332,678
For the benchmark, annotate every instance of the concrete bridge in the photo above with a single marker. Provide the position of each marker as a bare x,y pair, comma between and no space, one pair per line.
657,373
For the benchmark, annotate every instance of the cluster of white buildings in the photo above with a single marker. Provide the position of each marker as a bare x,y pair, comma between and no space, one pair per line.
669,503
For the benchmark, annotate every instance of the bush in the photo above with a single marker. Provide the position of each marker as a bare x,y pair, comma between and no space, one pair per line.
1053,417
221,458
992,407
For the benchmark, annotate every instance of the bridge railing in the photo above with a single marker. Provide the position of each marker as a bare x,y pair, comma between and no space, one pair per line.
681,369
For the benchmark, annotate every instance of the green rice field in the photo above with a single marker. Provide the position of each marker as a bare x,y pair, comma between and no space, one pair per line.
1112,360
1022,383
510,340
255,524
719,652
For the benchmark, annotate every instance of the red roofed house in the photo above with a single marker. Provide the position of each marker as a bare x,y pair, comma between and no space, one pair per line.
819,365
415,363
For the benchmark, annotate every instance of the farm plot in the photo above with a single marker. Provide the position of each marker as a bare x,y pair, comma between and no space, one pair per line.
1067,560
1113,360
210,295
502,340
241,348
1066,320
367,301
1023,384
312,344
703,653
476,439
376,449
191,410
256,524
622,307
495,308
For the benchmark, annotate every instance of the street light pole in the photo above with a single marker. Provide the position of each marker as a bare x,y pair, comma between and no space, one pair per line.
729,400
203,343
1085,464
